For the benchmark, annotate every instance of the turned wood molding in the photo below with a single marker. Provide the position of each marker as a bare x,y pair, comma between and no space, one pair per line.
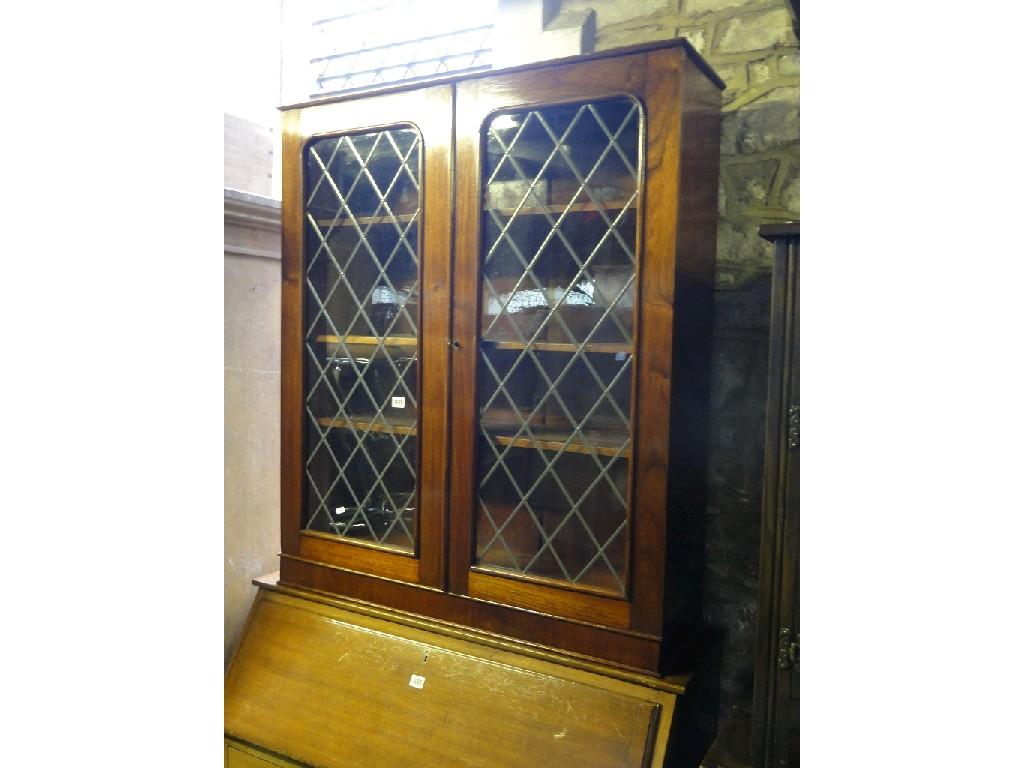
244,211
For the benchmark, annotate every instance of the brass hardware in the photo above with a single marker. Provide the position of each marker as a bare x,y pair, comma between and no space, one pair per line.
789,652
794,426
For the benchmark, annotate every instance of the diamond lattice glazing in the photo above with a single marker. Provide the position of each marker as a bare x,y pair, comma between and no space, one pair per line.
361,309
561,186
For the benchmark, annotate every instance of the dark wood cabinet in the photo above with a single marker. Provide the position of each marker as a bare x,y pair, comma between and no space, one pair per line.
496,323
776,705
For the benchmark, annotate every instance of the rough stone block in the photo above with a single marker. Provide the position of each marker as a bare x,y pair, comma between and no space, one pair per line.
734,76
745,310
697,36
735,368
756,31
789,64
571,19
613,12
760,71
750,183
770,122
633,35
704,7
742,254
789,197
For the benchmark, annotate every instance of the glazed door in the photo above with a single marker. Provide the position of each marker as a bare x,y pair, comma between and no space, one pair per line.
367,255
547,358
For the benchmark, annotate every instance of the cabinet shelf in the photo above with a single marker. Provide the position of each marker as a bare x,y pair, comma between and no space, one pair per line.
540,346
396,425
604,443
563,346
555,209
387,341
402,218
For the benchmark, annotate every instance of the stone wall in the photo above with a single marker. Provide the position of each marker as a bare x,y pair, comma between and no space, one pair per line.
752,46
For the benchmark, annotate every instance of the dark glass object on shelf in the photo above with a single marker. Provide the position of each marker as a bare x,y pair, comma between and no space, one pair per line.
363,207
561,188
394,387
345,374
386,519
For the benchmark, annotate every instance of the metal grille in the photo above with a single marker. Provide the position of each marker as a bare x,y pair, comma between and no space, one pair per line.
398,41
362,281
556,360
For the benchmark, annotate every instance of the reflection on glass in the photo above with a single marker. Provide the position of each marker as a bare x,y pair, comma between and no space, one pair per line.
555,369
363,201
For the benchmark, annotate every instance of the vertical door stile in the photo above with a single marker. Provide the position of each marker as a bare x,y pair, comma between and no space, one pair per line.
463,332
437,280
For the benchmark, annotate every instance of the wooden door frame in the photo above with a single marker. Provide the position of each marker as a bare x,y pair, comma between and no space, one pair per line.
655,80
430,111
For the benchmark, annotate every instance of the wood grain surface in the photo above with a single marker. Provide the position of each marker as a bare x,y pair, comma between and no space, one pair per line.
331,688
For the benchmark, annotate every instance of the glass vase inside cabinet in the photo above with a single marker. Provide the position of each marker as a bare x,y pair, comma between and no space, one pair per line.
561,187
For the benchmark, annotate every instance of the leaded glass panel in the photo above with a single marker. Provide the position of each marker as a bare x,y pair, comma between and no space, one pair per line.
561,186
362,265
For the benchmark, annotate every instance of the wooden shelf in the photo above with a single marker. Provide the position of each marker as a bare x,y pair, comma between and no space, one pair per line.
604,443
364,220
562,346
540,210
387,341
397,425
